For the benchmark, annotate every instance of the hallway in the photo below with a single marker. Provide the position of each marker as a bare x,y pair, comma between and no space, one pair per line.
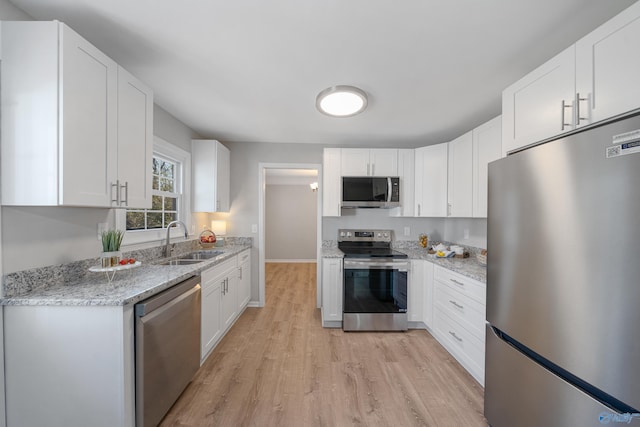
278,367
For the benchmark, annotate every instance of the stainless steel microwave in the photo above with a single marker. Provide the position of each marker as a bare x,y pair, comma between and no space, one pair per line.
370,192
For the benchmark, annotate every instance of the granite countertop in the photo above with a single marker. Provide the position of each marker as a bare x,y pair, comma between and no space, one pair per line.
469,267
128,286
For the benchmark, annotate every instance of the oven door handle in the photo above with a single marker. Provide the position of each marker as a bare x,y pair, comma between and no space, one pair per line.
389,189
400,266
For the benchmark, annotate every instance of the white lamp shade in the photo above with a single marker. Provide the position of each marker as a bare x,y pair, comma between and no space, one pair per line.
219,227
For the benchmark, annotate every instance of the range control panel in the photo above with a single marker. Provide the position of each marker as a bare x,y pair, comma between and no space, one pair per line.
347,235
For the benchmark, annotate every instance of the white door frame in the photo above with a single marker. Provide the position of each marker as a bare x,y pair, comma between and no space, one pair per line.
262,173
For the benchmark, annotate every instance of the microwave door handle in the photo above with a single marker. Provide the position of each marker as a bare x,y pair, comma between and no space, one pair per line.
389,189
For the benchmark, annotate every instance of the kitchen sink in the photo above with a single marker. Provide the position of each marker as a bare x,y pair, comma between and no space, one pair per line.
200,255
192,258
180,261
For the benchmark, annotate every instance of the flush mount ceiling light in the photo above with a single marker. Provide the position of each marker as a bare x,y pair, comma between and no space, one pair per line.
341,101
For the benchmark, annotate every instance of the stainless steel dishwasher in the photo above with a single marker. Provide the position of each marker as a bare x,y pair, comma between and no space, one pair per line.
167,338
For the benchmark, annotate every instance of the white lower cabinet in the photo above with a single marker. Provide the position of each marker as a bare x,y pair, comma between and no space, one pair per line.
459,315
420,295
69,366
210,327
332,292
244,279
226,291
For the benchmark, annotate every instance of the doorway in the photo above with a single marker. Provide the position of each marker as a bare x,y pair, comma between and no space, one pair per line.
274,178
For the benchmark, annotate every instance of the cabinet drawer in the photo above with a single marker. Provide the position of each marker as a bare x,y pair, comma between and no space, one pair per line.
214,273
471,288
468,312
244,256
461,343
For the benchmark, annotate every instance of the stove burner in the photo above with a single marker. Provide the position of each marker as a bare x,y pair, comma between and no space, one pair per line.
367,244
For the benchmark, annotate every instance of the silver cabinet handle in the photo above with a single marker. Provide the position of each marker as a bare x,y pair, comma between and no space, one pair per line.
125,201
418,209
456,282
240,273
217,205
448,209
453,334
373,169
456,304
368,169
564,107
117,199
578,117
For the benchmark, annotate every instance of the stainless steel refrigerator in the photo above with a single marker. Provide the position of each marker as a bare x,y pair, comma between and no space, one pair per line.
563,281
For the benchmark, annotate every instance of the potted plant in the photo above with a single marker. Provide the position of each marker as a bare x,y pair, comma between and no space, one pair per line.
111,240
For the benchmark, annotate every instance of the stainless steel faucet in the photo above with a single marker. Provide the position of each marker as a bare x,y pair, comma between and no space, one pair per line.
167,248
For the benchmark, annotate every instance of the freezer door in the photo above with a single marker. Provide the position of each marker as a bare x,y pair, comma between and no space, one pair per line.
564,269
519,392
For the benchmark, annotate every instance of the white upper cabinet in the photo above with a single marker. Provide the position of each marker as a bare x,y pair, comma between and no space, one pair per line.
487,147
53,77
460,182
431,181
406,172
211,176
135,140
593,80
607,64
369,162
331,182
540,105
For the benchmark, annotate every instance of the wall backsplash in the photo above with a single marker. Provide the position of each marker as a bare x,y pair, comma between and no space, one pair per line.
438,229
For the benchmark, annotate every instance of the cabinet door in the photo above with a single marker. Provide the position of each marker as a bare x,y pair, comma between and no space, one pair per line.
415,292
211,176
427,293
355,162
135,144
331,182
229,301
88,89
607,63
431,181
223,178
406,172
331,290
211,329
532,108
487,147
460,172
244,285
383,162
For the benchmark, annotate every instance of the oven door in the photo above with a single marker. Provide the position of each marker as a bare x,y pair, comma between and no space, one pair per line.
375,295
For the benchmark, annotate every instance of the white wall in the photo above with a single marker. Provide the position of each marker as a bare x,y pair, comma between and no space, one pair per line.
245,158
290,223
456,230
382,219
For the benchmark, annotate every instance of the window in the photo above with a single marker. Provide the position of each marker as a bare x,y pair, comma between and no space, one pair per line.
171,172
166,197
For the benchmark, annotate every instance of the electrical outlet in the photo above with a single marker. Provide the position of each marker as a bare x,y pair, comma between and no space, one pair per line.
407,231
254,228
466,233
102,227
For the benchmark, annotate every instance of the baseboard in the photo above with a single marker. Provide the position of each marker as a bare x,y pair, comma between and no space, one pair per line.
289,261
254,304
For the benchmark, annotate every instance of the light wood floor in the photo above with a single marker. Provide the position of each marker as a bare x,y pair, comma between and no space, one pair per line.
278,367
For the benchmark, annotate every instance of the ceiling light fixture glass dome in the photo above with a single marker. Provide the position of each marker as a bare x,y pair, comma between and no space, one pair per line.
341,101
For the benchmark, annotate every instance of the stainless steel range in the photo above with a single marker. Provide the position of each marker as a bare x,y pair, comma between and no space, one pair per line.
375,282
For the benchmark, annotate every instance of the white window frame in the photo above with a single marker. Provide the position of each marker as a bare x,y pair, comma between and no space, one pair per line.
174,153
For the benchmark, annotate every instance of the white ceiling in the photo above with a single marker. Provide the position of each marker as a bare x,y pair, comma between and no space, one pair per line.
250,70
